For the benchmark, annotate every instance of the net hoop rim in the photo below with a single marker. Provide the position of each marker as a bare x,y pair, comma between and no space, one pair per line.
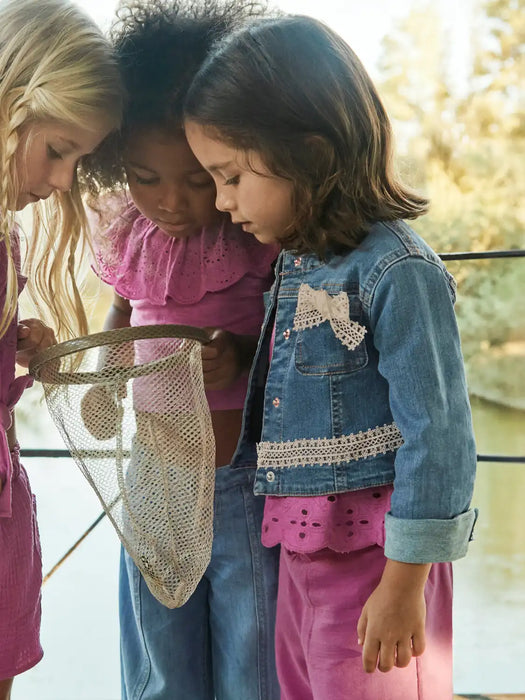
111,337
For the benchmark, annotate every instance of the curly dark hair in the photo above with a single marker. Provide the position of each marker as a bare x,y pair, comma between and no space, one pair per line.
159,45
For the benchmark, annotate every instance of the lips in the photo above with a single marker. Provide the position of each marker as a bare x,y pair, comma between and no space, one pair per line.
174,224
243,225
179,229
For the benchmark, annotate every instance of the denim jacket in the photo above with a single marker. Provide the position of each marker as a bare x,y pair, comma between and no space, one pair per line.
366,386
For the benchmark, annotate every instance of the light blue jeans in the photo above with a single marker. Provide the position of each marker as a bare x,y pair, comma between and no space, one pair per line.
220,644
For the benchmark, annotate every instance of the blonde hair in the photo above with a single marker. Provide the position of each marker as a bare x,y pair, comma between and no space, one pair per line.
55,65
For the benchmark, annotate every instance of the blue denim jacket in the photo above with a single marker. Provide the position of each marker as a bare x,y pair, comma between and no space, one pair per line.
366,386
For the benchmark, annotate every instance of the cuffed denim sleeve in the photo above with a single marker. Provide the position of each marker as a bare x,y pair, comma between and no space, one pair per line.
416,336
425,541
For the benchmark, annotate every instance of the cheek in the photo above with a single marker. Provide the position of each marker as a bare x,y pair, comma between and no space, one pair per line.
203,206
140,195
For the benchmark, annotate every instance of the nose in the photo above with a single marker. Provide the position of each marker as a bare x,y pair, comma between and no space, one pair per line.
171,199
62,175
224,200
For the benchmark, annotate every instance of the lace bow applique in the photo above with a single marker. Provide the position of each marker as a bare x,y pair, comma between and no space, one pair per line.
315,306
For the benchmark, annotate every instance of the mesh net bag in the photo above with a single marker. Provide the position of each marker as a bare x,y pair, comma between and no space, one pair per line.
131,407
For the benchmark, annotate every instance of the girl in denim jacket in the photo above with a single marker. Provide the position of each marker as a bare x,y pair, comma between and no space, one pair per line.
360,424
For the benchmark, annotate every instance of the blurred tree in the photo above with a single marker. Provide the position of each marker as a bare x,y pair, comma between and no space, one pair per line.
466,148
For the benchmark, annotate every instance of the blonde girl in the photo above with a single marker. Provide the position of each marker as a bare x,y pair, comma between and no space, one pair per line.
60,94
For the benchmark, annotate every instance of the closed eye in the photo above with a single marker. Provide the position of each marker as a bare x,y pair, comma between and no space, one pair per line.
146,180
52,153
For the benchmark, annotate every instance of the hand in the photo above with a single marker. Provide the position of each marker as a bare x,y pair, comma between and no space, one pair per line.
221,359
33,337
391,628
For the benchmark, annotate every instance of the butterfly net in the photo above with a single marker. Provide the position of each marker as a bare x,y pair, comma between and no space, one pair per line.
131,408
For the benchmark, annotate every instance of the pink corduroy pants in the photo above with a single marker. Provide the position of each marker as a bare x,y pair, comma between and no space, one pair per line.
320,599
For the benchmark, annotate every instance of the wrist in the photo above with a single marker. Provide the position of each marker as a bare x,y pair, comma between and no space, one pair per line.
404,576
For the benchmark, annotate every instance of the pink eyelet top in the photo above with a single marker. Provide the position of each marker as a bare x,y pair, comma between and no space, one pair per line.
342,522
215,278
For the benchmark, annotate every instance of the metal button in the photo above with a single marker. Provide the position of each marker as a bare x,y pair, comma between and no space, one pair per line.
286,334
276,401
270,476
297,262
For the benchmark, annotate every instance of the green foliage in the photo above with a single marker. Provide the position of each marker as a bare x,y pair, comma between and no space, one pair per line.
465,147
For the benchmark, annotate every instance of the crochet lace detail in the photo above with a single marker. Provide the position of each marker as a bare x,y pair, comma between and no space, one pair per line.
314,306
347,448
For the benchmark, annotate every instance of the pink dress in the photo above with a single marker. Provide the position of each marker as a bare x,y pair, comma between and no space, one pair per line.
216,278
20,555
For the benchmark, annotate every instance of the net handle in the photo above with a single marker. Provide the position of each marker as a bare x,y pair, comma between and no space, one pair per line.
112,337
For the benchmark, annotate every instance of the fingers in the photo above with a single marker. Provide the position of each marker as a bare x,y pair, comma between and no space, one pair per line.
220,361
23,331
403,654
418,643
361,628
208,353
384,655
370,645
32,334
371,648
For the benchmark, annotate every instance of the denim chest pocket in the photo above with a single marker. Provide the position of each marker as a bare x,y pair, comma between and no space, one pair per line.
334,344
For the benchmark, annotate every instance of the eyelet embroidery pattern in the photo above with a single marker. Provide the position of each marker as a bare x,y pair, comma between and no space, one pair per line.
347,448
142,262
343,522
314,306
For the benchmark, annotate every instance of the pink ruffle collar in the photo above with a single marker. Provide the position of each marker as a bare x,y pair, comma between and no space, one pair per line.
142,262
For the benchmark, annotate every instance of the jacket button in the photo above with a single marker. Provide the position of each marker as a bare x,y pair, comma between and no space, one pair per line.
297,262
270,476
286,334
276,401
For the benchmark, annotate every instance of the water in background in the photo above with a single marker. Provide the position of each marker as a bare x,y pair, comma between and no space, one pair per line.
80,626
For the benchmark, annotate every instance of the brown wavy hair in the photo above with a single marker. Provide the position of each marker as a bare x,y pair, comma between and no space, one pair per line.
292,90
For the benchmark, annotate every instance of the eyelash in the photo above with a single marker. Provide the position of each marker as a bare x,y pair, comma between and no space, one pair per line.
53,154
144,181
232,180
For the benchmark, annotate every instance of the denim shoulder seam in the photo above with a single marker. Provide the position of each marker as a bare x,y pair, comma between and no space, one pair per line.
387,262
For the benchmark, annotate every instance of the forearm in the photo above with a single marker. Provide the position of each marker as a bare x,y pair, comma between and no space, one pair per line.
117,317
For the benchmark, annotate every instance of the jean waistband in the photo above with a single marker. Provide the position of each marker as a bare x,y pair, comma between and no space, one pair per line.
226,477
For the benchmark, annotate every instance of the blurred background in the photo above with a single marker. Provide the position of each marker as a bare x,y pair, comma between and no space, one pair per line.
452,75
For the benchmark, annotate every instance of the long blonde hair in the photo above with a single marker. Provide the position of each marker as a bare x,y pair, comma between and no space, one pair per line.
55,65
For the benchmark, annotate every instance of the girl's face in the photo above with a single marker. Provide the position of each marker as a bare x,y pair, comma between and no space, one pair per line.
48,155
168,184
255,198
